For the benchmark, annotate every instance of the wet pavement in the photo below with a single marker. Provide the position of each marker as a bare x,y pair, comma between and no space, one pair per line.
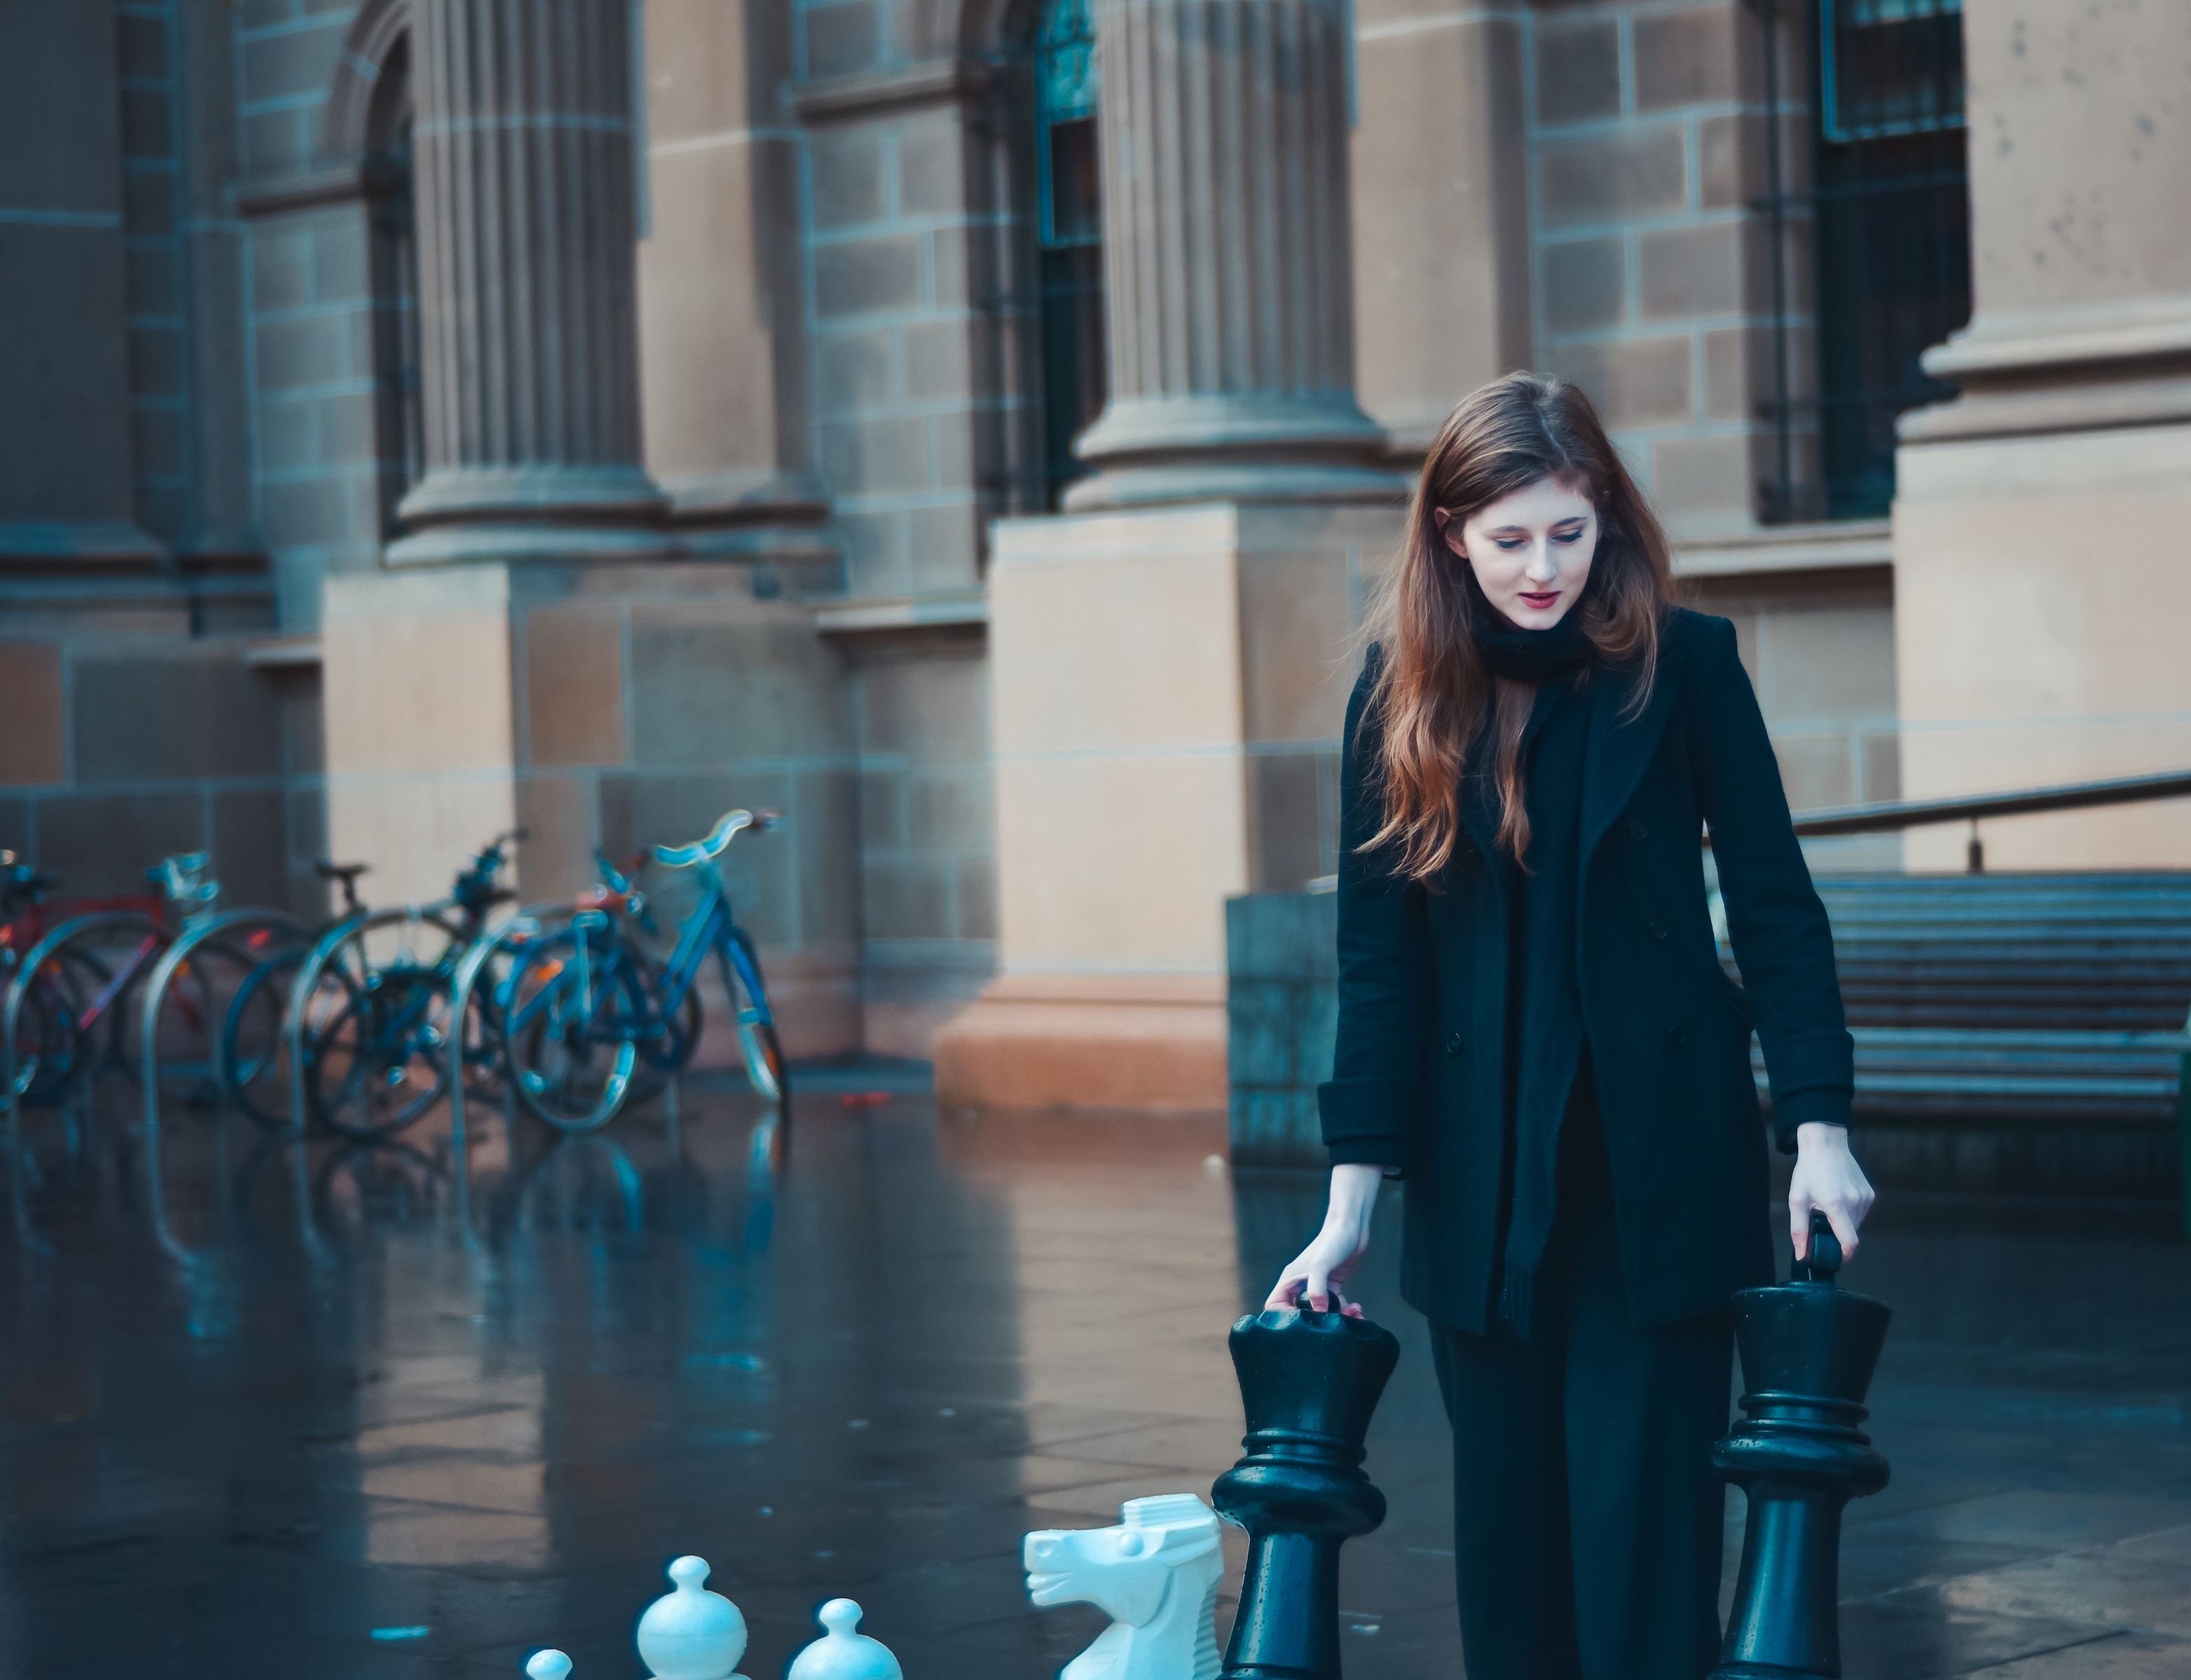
357,1435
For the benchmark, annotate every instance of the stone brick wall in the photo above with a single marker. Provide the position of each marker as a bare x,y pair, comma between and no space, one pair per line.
309,308
1653,270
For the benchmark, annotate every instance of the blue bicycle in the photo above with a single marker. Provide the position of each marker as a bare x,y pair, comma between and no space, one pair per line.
589,1013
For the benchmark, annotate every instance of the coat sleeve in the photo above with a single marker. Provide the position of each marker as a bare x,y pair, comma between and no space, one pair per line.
1366,1107
1783,942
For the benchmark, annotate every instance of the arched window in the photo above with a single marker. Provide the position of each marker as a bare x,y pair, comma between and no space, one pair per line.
1069,235
393,210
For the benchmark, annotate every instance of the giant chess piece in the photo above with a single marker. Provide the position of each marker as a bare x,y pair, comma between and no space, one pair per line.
1309,1381
1808,1348
1155,1573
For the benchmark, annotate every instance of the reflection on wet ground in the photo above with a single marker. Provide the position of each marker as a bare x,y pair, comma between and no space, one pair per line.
353,1433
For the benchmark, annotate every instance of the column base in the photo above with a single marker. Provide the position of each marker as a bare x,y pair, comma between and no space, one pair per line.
1150,1042
1319,447
463,513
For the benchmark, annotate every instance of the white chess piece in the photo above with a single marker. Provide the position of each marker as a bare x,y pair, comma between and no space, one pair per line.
1156,1573
547,1665
842,1653
692,1633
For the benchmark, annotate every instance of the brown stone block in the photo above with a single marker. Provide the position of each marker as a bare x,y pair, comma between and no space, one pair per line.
303,743
137,717
251,846
32,737
1285,820
1703,54
308,836
843,38
1639,171
1293,670
825,835
875,547
1155,1043
945,546
560,815
950,810
1585,284
848,171
15,827
854,370
705,693
1696,474
101,844
1732,168
909,896
933,710
932,173
1830,662
1883,768
574,685
1683,272
950,262
941,356
876,457
1818,771
854,276
882,806
1633,381
977,899
1577,70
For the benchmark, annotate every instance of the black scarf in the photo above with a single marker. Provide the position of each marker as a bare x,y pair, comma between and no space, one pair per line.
1544,1035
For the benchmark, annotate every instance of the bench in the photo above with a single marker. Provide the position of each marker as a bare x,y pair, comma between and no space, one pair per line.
2021,1030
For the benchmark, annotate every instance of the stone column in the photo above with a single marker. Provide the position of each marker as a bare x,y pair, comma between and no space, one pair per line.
1227,257
2042,575
66,490
526,190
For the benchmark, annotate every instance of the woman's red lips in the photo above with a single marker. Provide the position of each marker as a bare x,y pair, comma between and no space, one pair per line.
1543,599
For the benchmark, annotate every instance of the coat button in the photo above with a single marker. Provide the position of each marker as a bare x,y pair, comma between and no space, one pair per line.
1676,1033
1637,828
1655,928
1452,1043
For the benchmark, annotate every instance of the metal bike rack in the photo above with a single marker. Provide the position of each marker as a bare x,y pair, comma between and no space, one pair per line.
528,923
11,1015
323,951
155,995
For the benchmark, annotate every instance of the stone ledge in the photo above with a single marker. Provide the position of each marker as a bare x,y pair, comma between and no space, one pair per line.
1153,1043
1822,546
870,93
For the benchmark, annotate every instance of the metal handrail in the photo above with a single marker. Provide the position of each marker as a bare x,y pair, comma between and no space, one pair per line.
1897,814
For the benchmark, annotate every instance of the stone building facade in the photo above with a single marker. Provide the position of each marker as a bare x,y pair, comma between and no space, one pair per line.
970,426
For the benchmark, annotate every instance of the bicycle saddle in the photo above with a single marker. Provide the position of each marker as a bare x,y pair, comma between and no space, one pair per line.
345,872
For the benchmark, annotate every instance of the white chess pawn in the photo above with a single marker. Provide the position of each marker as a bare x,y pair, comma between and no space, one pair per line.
692,1633
547,1665
843,1653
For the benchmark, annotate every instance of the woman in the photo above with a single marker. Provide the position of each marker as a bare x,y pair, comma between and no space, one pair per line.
1535,1034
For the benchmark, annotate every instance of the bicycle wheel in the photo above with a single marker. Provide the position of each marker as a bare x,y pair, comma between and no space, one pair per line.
46,1042
575,1010
383,1059
757,1037
252,1058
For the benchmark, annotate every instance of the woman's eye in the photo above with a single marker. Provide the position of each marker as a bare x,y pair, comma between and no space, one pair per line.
1574,536
1508,544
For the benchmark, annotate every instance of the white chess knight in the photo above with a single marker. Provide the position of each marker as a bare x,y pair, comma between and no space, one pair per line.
1155,1573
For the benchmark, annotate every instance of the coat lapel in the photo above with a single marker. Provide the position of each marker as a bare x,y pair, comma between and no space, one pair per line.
1620,746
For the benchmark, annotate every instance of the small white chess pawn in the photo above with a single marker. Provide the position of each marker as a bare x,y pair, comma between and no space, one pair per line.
547,1665
692,1633
843,1653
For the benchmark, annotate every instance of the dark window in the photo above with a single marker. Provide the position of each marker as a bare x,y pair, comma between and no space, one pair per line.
1879,186
1068,236
392,206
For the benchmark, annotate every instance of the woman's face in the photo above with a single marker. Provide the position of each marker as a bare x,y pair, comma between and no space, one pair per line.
1531,549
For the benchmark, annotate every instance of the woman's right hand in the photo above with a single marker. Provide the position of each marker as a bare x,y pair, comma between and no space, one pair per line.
1318,1270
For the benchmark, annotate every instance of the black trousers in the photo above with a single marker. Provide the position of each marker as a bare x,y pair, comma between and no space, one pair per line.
1586,1513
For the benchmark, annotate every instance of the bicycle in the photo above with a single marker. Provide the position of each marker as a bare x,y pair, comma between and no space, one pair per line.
588,1007
375,1036
77,993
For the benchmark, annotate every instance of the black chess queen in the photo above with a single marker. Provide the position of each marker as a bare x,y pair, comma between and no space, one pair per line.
1536,1035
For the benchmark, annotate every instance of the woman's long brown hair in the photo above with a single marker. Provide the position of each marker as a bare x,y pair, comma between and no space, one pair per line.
1432,690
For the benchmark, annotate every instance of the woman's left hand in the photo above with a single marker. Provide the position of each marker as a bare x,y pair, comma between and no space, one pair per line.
1827,1178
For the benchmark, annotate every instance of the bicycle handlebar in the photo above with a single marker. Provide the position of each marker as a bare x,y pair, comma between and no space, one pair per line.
684,856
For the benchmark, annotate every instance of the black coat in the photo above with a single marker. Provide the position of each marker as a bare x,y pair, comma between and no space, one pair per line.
1417,1078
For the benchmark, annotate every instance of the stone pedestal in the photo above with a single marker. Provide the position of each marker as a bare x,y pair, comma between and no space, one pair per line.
528,323
1167,686
2043,510
617,706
